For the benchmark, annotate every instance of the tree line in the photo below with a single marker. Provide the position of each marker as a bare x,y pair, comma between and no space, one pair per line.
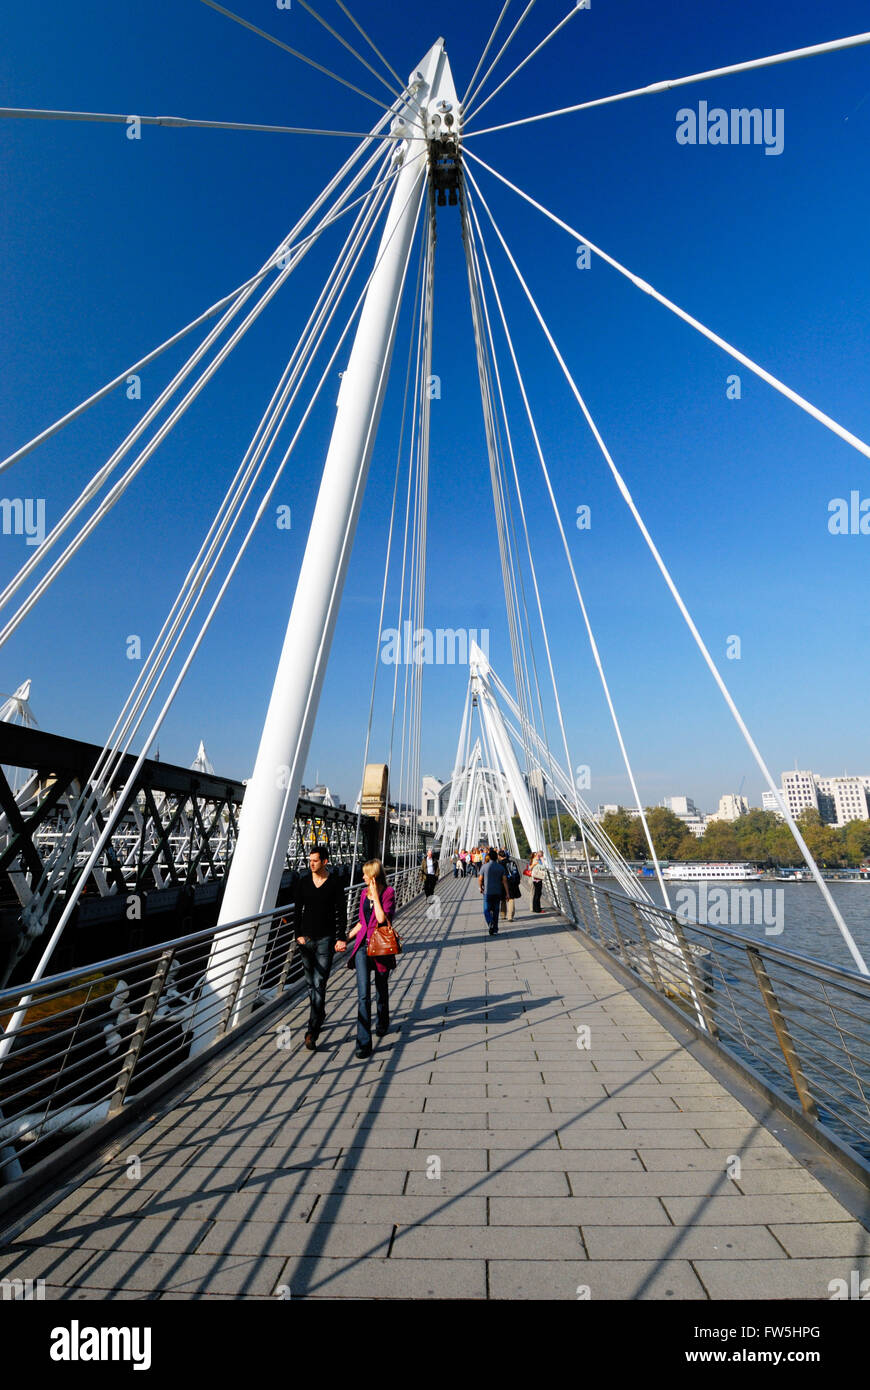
759,837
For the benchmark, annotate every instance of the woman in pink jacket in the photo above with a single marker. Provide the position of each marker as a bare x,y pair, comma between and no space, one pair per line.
377,905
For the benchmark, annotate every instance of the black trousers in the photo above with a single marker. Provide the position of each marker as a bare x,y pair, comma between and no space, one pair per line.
536,895
316,957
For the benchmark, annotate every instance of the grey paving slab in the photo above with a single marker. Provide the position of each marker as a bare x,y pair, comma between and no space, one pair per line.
540,1183
233,1274
168,1234
336,1240
478,1153
576,1135
57,1293
238,1207
414,1159
755,1182
56,1264
574,1211
371,1181
845,1238
594,1280
742,1210
191,1178
765,1279
766,1160
93,1205
636,1183
682,1242
490,1243
554,1159
393,1278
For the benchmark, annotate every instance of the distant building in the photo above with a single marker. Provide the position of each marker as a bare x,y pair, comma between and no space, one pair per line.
201,763
800,792
770,803
731,807
838,800
844,799
535,781
541,794
684,807
430,803
696,824
612,810
320,793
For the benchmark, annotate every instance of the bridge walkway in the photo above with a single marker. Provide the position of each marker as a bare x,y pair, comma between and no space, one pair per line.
479,1153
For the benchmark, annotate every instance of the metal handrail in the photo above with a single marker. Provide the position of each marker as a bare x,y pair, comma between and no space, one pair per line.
59,1075
729,937
801,1024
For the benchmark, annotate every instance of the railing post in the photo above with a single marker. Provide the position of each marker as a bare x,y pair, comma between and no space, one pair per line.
553,886
569,899
694,978
653,964
140,1032
783,1036
582,907
236,984
616,929
288,958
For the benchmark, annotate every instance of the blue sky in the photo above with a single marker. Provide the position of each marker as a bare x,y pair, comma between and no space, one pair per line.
110,245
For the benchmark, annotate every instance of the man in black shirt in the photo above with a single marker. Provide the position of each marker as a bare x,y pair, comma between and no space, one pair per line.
321,929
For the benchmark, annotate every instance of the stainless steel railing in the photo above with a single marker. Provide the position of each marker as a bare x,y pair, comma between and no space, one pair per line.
803,1025
94,1038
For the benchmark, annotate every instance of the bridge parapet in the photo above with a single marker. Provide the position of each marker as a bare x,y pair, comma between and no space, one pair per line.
800,1026
97,1043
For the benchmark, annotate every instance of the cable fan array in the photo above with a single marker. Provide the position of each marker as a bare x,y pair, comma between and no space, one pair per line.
363,187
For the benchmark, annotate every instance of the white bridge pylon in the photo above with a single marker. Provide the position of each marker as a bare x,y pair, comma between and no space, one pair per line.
479,802
479,806
273,790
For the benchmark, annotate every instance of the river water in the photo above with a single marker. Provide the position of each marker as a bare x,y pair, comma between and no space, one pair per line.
808,927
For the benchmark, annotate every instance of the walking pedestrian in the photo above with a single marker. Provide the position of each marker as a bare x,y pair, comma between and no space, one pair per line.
539,873
429,873
377,905
492,878
321,929
512,885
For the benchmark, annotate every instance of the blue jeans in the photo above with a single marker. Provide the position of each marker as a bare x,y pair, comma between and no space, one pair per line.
364,973
316,957
491,906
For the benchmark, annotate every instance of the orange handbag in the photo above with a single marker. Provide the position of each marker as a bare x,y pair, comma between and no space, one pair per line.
383,941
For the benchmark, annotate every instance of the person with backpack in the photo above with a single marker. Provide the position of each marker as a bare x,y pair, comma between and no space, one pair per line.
492,886
512,885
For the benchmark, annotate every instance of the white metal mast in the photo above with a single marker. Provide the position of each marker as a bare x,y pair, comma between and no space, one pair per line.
273,790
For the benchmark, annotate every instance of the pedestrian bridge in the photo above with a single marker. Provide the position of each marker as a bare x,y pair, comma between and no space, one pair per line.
491,1148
